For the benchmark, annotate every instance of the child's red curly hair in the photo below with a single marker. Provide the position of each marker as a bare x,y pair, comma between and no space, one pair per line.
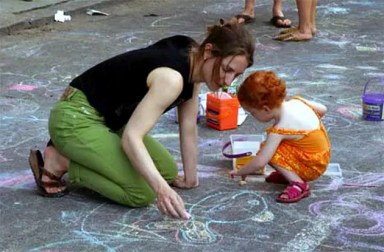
262,88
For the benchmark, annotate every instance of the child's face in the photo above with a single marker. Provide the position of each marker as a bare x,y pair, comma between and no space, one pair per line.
263,115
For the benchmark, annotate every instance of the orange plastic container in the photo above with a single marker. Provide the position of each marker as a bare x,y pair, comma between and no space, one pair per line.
221,112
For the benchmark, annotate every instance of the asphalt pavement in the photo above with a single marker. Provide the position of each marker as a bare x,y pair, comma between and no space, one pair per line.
39,57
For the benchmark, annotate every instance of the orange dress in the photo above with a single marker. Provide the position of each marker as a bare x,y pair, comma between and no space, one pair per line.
309,156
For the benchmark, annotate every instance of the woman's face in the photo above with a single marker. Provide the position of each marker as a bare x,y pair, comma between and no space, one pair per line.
229,68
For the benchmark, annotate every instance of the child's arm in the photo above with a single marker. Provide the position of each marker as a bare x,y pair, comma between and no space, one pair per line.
263,156
320,108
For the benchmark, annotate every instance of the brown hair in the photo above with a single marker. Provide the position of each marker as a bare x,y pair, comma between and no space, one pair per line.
228,39
262,88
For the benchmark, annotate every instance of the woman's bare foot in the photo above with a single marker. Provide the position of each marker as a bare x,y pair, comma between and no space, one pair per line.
56,164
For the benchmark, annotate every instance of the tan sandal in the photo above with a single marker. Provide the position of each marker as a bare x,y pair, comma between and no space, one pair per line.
289,30
290,37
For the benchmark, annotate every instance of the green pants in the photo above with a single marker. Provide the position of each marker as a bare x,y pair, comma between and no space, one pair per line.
97,160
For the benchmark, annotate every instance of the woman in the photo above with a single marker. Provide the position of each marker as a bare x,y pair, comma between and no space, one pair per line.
99,129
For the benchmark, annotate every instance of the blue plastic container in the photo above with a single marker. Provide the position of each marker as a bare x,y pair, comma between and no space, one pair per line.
373,103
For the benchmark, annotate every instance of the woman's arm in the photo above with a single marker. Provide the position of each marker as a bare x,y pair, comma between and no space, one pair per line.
141,122
188,112
262,158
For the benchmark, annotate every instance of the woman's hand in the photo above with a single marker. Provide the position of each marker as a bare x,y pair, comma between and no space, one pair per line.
181,182
171,204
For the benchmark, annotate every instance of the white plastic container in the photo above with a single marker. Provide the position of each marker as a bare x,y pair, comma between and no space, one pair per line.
242,143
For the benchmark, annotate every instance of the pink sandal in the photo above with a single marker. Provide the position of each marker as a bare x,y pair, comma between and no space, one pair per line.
294,192
276,178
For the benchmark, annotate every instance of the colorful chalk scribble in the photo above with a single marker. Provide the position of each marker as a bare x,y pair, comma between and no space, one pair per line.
353,219
17,180
352,112
210,211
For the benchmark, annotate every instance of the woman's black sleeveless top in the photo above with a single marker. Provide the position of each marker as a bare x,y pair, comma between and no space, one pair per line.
116,86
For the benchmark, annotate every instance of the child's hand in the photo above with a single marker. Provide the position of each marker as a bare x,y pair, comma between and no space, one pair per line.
243,171
232,174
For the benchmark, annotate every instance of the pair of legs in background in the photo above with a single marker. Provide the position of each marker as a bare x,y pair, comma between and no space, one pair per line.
306,28
93,156
278,19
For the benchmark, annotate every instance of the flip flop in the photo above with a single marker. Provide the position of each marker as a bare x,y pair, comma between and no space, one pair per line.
247,19
275,19
36,163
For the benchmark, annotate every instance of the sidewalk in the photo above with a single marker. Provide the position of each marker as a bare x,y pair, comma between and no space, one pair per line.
20,14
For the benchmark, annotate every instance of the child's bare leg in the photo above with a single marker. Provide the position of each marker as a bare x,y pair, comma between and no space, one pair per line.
289,175
297,189
55,163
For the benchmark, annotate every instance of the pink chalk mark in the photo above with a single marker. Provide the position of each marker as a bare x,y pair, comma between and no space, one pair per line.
351,111
21,179
22,87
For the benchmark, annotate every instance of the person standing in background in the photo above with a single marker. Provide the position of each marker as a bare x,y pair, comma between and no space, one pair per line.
307,23
278,19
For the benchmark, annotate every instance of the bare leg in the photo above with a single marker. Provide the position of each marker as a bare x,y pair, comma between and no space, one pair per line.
305,26
249,10
290,176
304,31
55,163
313,16
277,10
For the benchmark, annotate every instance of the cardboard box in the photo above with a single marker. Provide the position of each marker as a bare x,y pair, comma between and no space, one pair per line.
222,111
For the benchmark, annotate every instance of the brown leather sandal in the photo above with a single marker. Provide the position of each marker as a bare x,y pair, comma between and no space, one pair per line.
36,163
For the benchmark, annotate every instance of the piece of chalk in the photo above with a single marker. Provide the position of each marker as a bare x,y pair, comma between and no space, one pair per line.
187,216
242,182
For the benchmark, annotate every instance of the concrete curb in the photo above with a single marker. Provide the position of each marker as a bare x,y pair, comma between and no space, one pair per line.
46,15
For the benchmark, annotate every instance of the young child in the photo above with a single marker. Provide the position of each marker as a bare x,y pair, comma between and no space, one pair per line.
297,145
